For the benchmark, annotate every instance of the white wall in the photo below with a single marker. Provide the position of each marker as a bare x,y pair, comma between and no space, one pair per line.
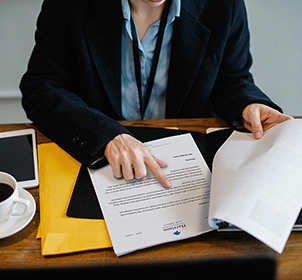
17,26
276,46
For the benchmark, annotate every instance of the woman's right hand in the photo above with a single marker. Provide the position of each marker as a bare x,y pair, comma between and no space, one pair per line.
128,158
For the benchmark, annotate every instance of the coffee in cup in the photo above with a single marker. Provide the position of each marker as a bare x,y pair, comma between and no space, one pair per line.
5,191
9,197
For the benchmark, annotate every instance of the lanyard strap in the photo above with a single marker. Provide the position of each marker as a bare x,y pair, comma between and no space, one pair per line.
137,66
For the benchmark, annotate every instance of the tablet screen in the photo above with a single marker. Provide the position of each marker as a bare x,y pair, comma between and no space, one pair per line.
18,156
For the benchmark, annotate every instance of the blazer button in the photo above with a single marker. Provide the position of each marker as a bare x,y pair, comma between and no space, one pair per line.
75,139
83,144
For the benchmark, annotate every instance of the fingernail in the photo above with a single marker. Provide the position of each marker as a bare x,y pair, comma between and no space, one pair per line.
258,135
167,184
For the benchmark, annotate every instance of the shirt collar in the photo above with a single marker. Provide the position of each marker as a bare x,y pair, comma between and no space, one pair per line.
173,12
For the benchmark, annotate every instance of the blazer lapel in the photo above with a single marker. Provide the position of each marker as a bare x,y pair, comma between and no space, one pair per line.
189,43
103,34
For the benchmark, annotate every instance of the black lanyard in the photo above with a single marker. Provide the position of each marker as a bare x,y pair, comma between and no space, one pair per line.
160,36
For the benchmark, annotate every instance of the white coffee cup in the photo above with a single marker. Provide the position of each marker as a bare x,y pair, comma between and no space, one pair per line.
7,206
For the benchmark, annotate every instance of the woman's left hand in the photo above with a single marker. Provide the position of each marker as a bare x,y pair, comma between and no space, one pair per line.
258,118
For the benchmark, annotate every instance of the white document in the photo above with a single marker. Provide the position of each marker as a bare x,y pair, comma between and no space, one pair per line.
257,185
142,213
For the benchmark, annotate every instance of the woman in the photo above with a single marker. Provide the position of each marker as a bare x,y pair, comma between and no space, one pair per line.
93,64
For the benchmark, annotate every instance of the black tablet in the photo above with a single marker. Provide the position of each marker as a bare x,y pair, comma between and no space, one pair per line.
18,156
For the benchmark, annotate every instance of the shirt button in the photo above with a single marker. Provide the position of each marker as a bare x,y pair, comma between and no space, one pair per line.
83,144
75,139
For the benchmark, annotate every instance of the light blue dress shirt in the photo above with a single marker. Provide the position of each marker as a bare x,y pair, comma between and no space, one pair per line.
130,99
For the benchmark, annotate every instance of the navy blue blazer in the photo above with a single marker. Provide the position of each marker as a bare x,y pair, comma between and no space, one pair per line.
72,89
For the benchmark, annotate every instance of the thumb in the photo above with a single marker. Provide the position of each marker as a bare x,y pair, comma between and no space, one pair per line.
257,128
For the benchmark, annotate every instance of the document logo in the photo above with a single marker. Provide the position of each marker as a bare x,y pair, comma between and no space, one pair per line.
174,227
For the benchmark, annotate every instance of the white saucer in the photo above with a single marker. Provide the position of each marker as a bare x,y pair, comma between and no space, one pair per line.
17,223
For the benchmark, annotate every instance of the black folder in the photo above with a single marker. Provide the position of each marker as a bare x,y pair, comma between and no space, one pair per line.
84,202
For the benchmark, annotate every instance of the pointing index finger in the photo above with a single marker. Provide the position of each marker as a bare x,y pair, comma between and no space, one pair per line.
155,168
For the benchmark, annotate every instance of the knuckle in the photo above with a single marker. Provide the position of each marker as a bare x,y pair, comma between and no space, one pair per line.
118,176
114,157
156,168
140,175
117,172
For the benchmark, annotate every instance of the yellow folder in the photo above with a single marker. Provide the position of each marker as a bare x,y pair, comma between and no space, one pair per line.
60,234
